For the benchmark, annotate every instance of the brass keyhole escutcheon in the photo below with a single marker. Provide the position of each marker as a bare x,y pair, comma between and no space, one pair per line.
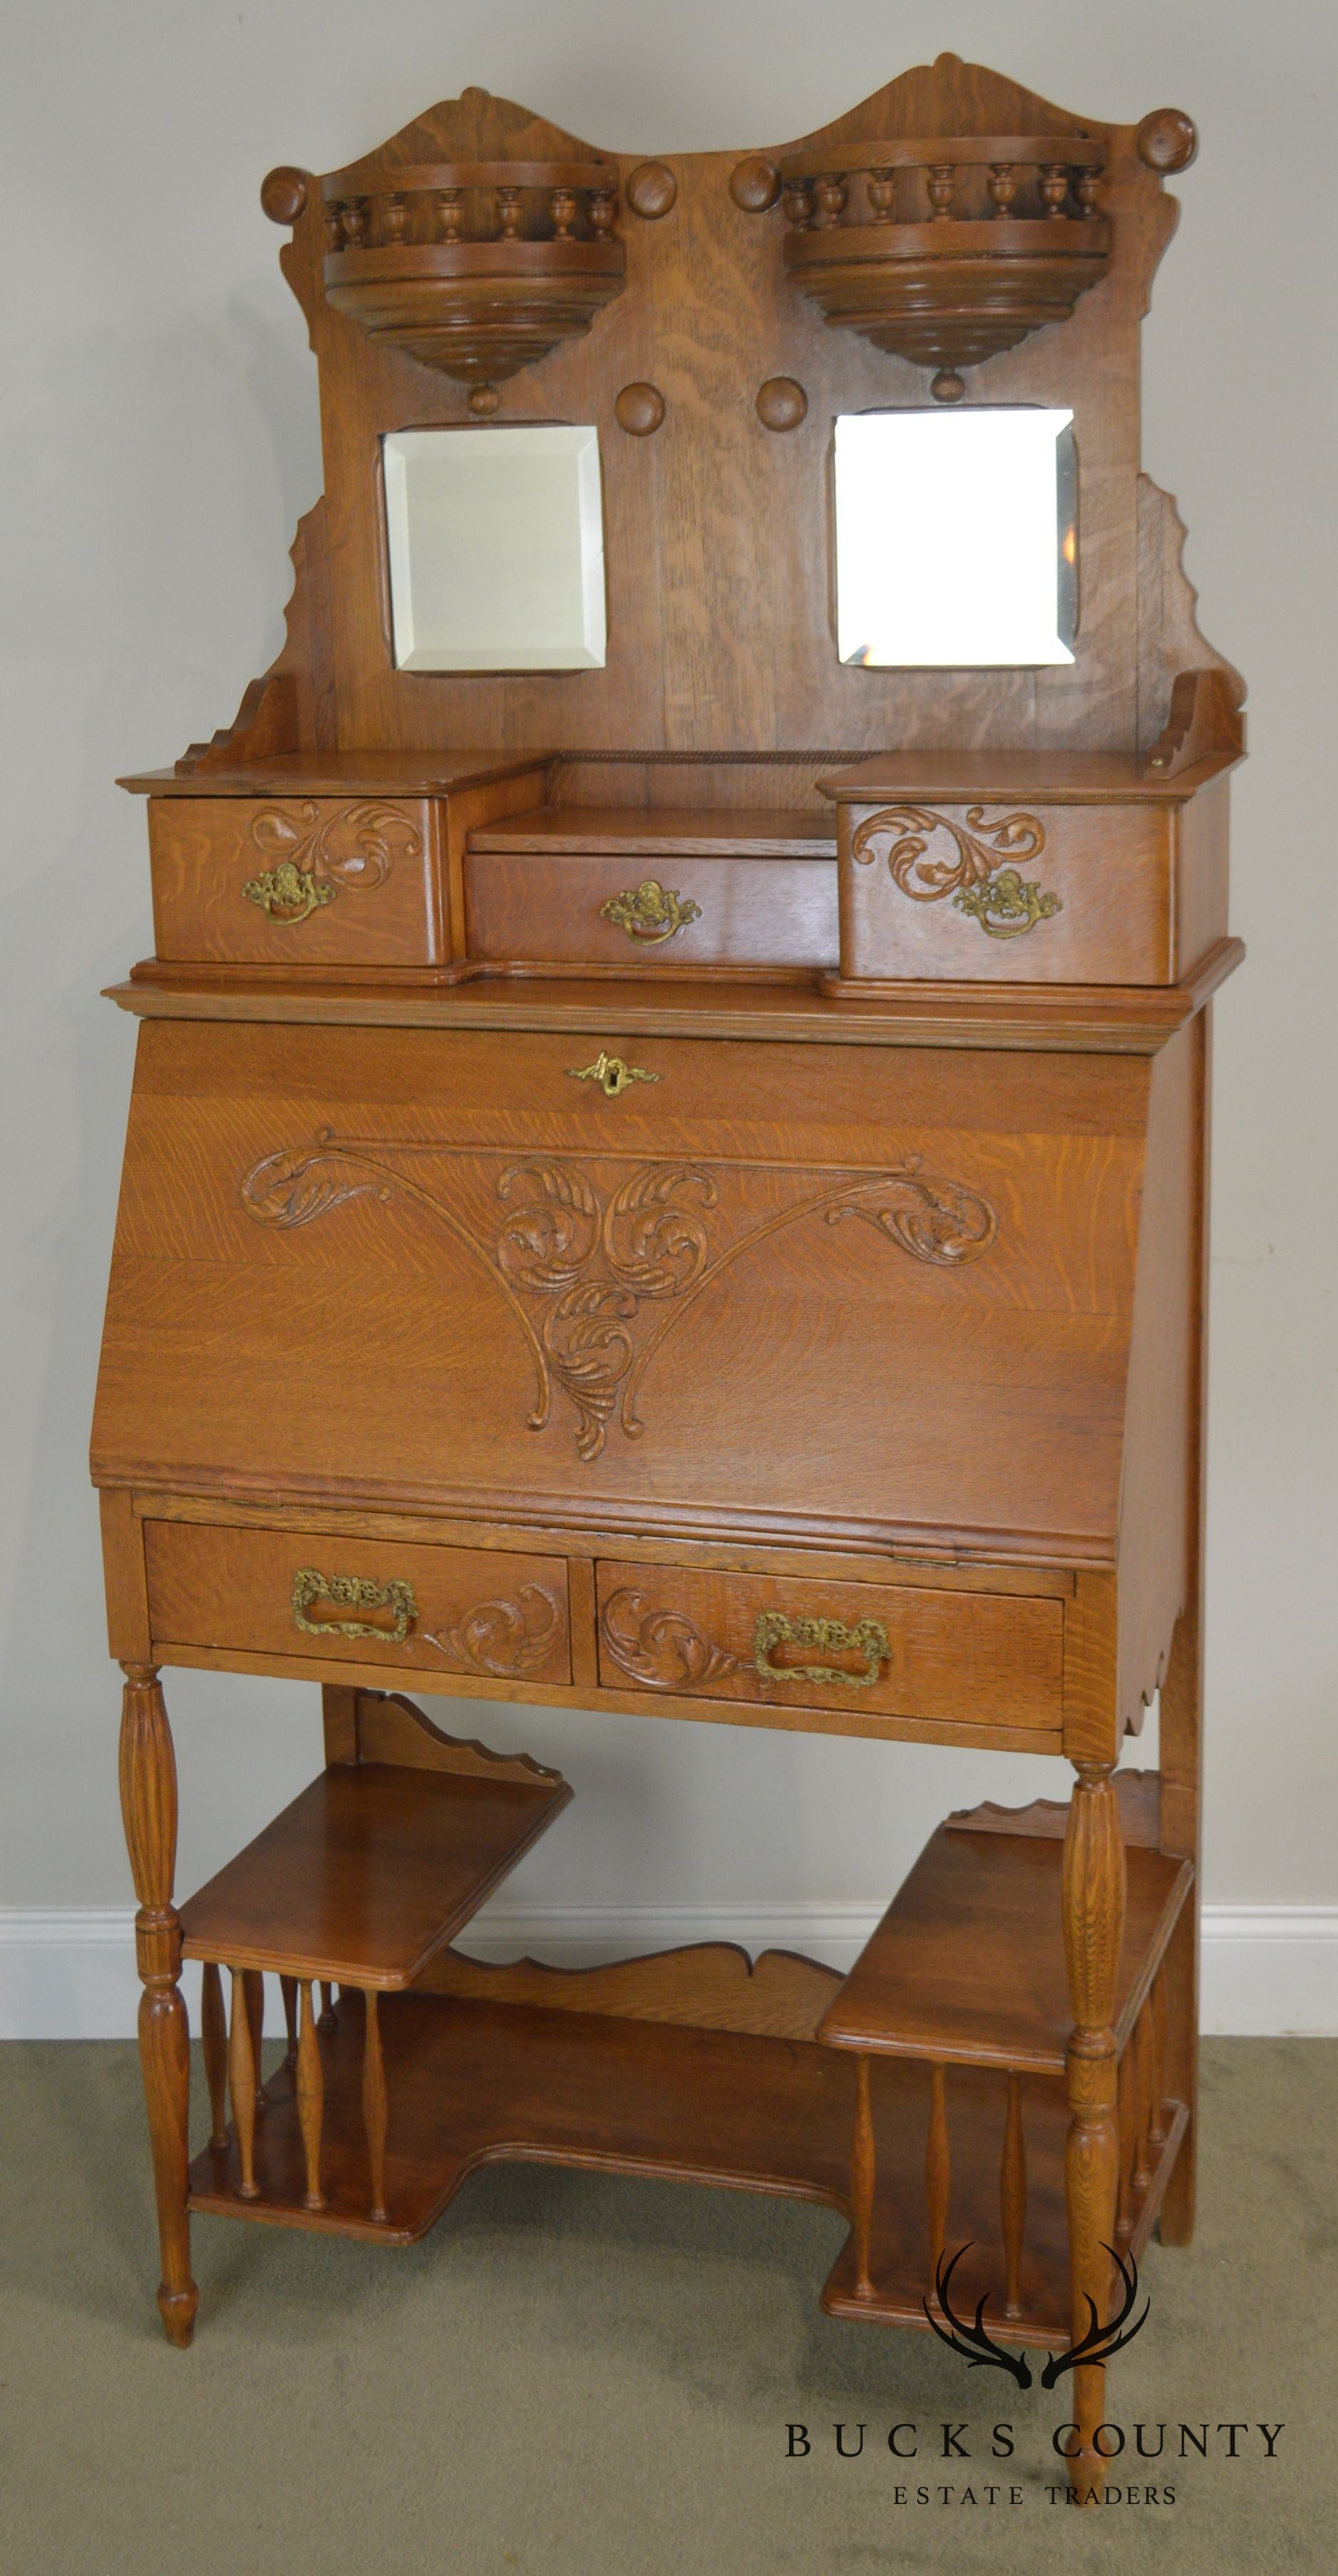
650,911
612,1074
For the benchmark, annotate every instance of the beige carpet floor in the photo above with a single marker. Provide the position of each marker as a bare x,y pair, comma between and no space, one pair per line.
579,2376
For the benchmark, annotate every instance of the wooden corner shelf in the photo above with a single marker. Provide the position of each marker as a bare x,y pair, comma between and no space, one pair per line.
371,1871
967,1965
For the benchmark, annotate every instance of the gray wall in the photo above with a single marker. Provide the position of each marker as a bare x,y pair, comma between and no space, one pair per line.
160,441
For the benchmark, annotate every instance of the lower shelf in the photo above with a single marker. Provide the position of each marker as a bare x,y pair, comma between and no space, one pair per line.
474,2082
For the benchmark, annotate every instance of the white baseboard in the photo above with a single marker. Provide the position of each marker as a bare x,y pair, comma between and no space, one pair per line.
70,1974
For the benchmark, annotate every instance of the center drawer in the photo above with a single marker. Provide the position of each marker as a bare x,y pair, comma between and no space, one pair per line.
657,913
428,1609
894,1650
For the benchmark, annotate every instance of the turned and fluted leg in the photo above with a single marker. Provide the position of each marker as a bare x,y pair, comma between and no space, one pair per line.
310,2097
374,2106
214,2037
149,1809
862,2177
242,2077
938,2169
1013,2197
1094,1895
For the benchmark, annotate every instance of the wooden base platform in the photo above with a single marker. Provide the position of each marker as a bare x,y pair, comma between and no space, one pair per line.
474,2083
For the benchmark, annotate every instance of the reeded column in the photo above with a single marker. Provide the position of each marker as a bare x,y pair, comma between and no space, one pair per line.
1094,1895
149,1810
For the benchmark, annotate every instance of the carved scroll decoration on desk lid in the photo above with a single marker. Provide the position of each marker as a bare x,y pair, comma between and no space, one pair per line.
597,1279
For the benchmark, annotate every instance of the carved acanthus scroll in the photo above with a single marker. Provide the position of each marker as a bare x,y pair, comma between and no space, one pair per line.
314,851
583,1271
1000,899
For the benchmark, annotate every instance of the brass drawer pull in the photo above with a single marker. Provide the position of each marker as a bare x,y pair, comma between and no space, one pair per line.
650,912
611,1073
288,893
1008,905
819,1650
351,1605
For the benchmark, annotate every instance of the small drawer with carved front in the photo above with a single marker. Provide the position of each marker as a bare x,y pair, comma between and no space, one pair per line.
1031,892
445,1610
944,1657
296,881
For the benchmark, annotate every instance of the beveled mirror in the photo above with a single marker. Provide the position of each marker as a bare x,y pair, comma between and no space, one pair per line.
956,538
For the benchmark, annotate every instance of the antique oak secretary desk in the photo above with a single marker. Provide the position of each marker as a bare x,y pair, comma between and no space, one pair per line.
667,1173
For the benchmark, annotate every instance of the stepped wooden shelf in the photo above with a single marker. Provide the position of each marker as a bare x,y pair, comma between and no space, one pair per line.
369,1872
967,1965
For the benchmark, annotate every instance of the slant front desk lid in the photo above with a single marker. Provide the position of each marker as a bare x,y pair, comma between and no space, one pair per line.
894,1300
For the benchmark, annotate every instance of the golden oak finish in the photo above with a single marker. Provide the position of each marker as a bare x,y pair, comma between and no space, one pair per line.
949,1657
694,1206
149,1809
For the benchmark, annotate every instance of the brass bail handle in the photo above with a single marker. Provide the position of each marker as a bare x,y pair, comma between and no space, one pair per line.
650,912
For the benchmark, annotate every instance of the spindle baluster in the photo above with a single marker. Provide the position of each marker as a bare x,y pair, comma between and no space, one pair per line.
396,217
310,2096
942,190
1002,184
831,194
355,222
1087,190
214,2038
1157,2089
862,2178
242,2078
374,2103
602,203
1054,185
255,1995
1142,2091
1126,2126
938,2169
883,195
288,1989
449,204
334,225
508,207
797,202
1013,2197
562,207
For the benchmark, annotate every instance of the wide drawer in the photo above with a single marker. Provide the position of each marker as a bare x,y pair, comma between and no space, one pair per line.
623,911
430,1609
950,1658
296,881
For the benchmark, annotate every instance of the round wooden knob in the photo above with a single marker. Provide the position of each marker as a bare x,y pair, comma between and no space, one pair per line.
1167,139
283,195
781,403
484,400
639,410
947,385
755,184
651,190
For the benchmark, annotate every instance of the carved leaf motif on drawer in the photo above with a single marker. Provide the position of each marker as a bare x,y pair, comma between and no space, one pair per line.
314,850
661,1649
597,1280
931,856
506,1638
